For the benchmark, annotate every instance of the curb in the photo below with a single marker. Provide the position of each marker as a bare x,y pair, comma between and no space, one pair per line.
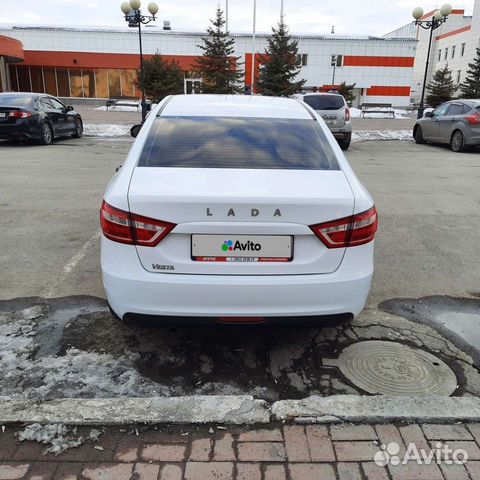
242,410
378,409
196,409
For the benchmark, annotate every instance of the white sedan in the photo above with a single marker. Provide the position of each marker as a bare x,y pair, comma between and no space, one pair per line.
236,209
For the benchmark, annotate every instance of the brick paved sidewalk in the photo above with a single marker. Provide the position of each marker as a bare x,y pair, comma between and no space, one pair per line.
313,452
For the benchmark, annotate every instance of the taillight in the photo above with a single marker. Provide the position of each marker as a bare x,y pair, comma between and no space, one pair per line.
349,231
124,227
347,114
473,119
19,114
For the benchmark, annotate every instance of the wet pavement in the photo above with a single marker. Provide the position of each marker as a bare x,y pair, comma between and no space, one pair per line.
73,347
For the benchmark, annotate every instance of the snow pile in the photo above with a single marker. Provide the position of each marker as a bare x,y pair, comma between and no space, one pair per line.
399,113
369,135
76,373
58,436
106,130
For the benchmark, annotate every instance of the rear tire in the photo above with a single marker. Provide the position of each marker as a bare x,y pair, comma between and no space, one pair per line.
46,134
457,142
419,136
78,132
345,141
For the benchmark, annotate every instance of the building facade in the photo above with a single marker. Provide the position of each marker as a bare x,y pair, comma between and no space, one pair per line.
11,52
454,45
99,63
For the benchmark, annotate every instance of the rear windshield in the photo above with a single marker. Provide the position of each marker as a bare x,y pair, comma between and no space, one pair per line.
226,142
325,102
15,101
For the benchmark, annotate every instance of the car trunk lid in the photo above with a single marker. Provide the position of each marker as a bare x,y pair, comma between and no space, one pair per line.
240,205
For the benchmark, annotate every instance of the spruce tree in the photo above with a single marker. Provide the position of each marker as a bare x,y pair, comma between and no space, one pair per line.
470,88
441,89
279,65
218,66
347,92
161,78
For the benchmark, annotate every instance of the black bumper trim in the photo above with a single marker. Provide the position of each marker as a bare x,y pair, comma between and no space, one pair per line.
318,320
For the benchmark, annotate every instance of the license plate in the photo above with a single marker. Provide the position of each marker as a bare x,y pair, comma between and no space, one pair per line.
242,248
3,115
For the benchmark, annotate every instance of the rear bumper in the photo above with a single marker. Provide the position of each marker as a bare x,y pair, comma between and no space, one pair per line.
133,292
343,134
472,140
21,129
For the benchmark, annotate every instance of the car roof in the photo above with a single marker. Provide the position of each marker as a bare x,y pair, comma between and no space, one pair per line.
252,106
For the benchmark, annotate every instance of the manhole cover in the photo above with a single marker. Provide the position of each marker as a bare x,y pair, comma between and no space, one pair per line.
391,368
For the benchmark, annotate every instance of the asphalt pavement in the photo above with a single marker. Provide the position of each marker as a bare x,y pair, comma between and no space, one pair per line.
427,198
56,326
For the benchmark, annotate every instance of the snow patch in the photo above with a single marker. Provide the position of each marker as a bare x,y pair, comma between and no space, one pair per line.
375,135
106,130
60,437
76,373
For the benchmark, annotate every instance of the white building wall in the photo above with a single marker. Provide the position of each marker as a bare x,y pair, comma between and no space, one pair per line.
317,72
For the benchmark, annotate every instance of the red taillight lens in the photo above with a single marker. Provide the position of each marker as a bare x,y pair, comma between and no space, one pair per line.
149,232
347,114
473,119
123,227
116,224
349,231
19,114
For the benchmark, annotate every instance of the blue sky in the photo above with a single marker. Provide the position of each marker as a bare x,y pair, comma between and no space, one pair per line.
373,17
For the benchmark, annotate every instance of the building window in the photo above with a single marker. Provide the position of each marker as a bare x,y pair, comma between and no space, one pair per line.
101,83
337,60
24,84
462,51
50,79
302,60
76,82
446,54
63,82
128,83
114,84
440,55
459,74
14,79
453,51
37,79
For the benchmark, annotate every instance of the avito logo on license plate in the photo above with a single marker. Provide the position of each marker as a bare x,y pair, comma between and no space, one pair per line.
242,248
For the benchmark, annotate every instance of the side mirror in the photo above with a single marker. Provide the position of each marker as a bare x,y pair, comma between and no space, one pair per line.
135,130
69,108
428,114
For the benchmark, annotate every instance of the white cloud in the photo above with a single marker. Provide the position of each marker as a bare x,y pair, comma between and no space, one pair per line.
373,17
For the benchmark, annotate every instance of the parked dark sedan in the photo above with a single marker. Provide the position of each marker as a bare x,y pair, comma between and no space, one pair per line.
37,116
456,123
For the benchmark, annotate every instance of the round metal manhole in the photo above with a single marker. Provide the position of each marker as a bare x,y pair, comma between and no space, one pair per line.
391,368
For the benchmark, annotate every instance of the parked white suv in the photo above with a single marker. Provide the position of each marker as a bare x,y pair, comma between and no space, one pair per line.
236,209
333,108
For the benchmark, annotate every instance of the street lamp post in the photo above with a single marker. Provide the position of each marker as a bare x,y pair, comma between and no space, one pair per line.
439,17
135,19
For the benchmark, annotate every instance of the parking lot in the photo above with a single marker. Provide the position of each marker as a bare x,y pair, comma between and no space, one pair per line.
425,293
